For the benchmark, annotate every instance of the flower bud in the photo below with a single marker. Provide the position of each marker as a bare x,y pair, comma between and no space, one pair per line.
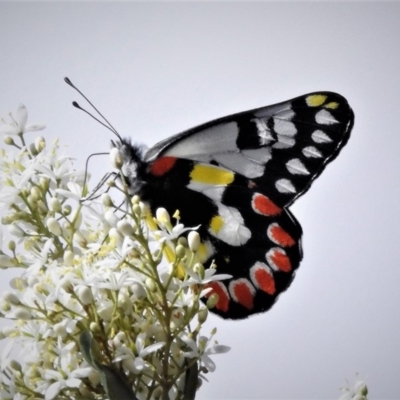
54,226
94,327
7,219
199,270
137,209
111,183
22,313
180,251
162,216
6,261
15,365
69,258
42,207
44,183
66,210
106,200
194,240
137,291
55,205
40,143
125,228
183,241
150,284
33,150
11,245
202,315
212,301
32,201
11,297
84,295
36,193
4,306
116,158
8,140
135,199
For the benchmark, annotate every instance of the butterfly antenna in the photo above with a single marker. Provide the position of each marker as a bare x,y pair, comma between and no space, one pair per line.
107,125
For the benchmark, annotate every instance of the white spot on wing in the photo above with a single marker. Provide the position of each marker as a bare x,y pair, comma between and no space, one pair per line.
311,152
261,156
237,162
324,117
320,137
233,231
216,139
285,128
296,167
285,186
284,142
287,114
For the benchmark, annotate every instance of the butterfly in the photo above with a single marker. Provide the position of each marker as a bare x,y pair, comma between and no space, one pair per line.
236,177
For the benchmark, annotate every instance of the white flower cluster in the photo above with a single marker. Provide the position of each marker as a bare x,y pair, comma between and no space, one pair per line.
109,298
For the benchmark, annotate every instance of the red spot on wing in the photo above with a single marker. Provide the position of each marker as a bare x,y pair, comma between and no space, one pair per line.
278,258
223,297
243,293
280,236
265,281
263,205
162,165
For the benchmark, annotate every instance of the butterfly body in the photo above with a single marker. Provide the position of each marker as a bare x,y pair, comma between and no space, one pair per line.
236,177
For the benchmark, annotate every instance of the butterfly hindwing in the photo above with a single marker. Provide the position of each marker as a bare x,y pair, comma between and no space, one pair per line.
235,177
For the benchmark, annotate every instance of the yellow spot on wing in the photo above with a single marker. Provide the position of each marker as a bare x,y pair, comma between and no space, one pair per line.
333,105
315,100
211,175
216,223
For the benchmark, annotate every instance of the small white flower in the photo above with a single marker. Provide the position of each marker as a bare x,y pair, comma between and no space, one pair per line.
138,362
209,276
18,125
202,351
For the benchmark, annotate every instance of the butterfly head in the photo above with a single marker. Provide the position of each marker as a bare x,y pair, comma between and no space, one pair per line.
133,164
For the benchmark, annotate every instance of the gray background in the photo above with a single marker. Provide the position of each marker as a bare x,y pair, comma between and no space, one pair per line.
156,69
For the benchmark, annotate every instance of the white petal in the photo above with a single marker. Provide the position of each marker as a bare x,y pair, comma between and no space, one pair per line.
53,390
9,129
34,127
21,117
73,382
151,349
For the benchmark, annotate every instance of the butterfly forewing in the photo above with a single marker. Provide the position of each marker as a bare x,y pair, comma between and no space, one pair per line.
235,177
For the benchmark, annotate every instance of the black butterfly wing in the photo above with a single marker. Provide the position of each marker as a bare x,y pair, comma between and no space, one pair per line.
236,176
